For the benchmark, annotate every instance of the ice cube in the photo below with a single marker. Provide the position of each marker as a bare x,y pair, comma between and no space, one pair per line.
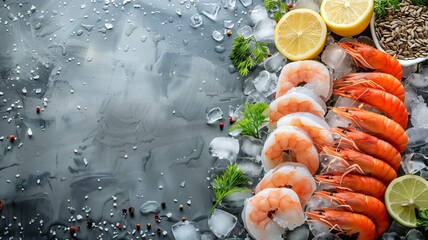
307,4
419,113
329,40
255,96
250,166
246,31
248,85
424,174
224,148
275,63
412,166
228,23
196,20
397,228
246,3
210,10
218,36
410,95
366,40
408,70
263,31
335,121
186,230
238,113
150,207
214,115
418,80
336,58
391,236
423,69
221,223
265,83
251,147
258,13
235,201
207,236
300,233
230,4
327,236
417,137
414,234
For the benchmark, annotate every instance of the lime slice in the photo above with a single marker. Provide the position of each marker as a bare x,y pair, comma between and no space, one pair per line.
405,194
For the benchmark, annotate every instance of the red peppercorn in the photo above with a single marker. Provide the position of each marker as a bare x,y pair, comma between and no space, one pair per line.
274,96
12,138
157,218
78,228
269,55
119,226
72,230
221,125
138,226
38,109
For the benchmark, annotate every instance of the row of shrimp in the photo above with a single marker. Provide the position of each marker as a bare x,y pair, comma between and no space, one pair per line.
368,125
290,154
355,157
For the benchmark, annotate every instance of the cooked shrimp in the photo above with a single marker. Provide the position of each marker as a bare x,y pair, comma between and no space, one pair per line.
348,160
370,145
385,102
298,99
269,212
316,127
294,176
388,82
377,125
368,57
291,139
345,222
314,75
362,204
353,182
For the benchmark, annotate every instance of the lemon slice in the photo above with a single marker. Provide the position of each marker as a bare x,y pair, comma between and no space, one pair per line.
403,195
300,34
347,17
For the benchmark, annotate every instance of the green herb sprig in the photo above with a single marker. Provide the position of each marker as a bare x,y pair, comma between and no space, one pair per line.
254,116
230,181
381,5
244,54
282,8
422,220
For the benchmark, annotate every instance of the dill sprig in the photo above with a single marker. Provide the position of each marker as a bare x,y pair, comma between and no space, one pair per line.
230,181
254,117
422,220
282,8
381,5
244,55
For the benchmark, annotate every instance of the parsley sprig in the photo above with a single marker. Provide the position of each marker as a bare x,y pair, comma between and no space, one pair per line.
282,8
381,5
232,180
254,116
246,52
422,220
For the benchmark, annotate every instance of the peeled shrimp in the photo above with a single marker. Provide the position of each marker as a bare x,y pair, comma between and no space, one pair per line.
388,82
385,102
314,75
377,125
345,222
370,145
362,204
294,176
349,160
353,182
291,139
368,57
316,127
298,99
269,212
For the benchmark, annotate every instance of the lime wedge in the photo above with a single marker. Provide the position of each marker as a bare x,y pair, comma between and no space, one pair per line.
405,194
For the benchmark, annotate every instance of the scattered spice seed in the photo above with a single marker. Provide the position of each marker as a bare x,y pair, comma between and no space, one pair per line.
124,212
159,231
157,218
90,223
221,125
183,219
78,228
149,226
12,138
181,207
119,226
131,211
163,205
138,226
1,205
38,109
72,230
229,32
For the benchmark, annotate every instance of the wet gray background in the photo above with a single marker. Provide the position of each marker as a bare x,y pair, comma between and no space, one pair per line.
145,84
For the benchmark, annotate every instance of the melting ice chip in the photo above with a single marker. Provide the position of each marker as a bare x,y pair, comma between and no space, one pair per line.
150,207
218,36
214,115
258,13
419,113
275,63
235,201
336,58
413,166
108,26
265,83
264,29
224,148
228,23
221,223
246,31
231,4
210,10
251,147
250,166
418,80
186,230
299,233
246,3
196,20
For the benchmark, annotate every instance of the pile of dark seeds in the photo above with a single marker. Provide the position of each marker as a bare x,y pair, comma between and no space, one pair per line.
403,33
